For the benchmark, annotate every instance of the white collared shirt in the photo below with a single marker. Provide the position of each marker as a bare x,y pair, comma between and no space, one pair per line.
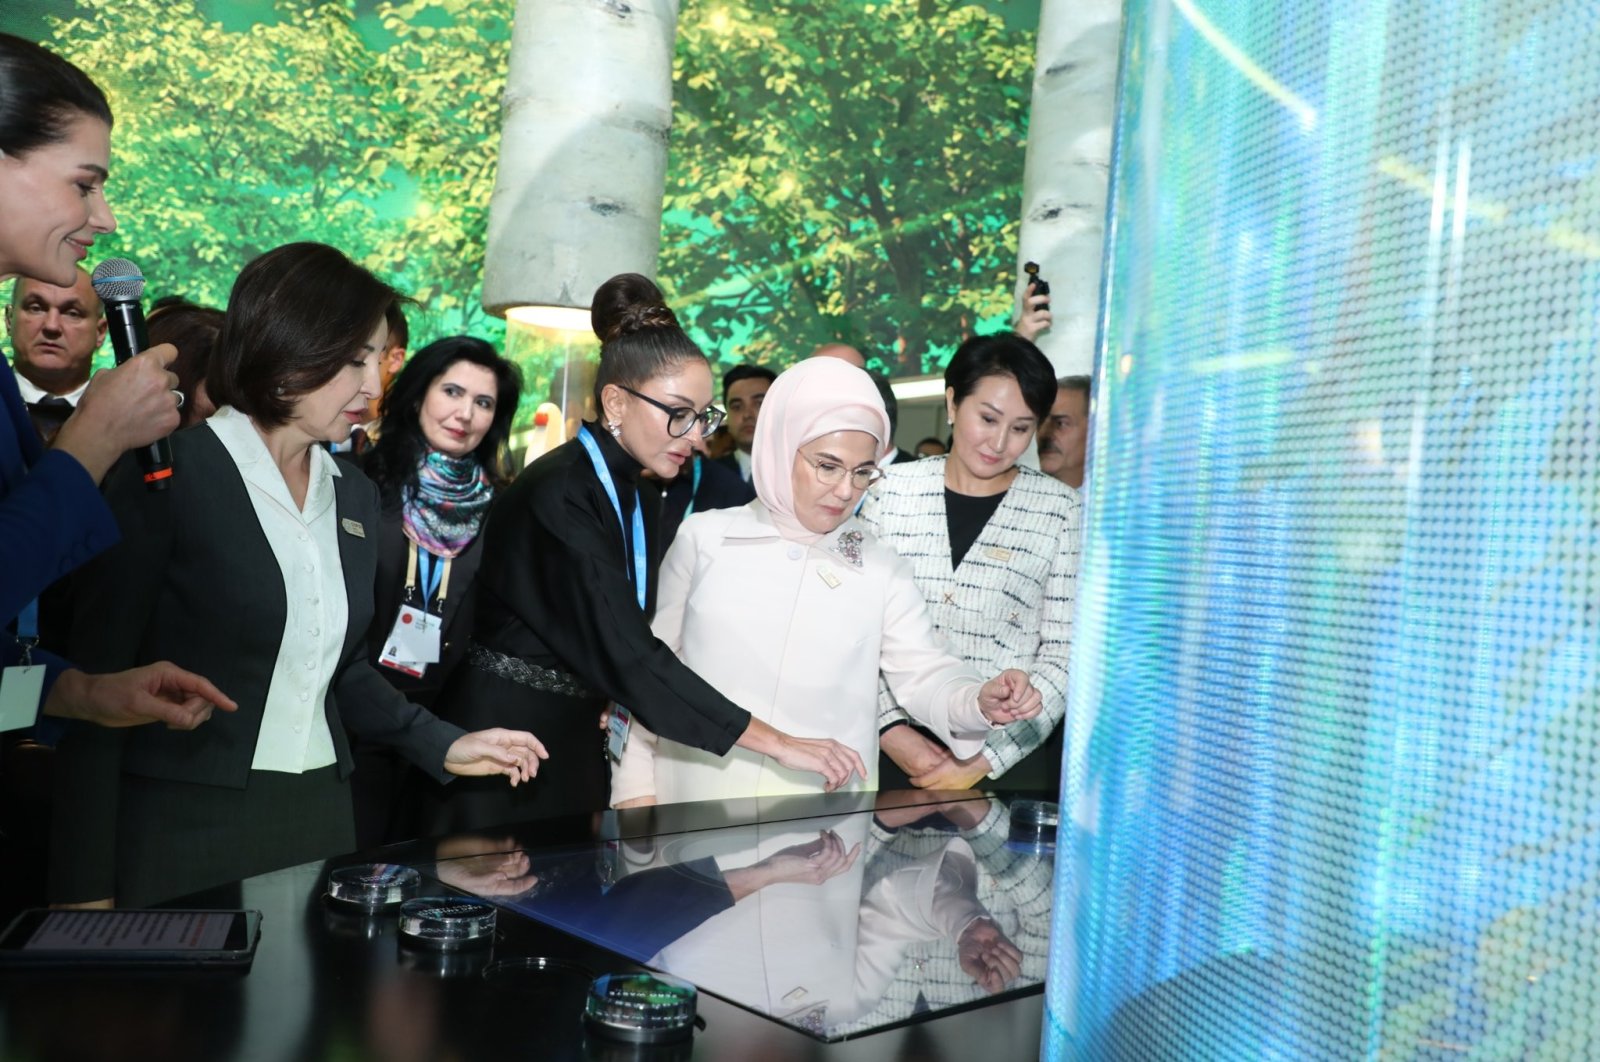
294,734
743,457
32,394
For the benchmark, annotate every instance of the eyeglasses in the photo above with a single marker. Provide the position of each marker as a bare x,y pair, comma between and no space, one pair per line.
681,419
830,474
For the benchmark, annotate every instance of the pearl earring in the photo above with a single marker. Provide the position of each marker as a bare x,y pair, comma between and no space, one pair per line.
614,428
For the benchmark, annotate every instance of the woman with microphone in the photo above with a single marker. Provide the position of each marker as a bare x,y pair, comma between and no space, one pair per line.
55,146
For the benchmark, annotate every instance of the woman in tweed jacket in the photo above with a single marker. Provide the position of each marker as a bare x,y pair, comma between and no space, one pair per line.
993,547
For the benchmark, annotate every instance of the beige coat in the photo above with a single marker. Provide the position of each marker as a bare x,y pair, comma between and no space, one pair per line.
797,635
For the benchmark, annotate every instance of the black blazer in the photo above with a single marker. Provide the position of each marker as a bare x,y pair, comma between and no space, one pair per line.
195,581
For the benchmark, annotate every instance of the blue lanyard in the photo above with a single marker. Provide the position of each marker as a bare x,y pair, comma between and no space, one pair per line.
604,473
28,630
694,488
432,571
28,622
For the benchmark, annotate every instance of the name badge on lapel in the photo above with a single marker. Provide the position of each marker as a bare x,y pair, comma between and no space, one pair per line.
353,527
997,553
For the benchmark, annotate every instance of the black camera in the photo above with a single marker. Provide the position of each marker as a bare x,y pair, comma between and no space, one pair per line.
1039,284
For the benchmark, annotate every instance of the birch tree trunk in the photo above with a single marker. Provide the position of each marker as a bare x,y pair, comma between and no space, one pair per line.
583,150
1068,168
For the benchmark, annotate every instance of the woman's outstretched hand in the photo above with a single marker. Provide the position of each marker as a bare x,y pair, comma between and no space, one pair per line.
513,753
834,761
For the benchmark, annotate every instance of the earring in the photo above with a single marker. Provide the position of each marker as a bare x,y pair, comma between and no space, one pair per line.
614,428
949,422
278,390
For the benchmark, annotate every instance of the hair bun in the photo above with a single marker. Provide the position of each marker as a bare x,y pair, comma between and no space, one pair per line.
629,303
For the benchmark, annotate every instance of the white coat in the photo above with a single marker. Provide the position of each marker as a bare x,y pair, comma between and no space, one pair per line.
797,635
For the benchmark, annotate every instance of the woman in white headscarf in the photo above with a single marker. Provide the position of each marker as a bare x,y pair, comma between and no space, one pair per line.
790,608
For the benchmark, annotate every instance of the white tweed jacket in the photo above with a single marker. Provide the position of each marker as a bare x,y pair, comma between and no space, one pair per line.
1010,602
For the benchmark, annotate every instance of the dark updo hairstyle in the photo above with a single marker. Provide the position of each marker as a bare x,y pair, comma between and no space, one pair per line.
193,330
1004,354
297,316
639,336
40,94
393,460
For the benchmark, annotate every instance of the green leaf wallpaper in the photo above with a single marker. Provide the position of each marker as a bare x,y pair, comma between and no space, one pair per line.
839,170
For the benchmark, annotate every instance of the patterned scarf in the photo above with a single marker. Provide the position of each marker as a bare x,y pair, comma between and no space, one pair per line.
452,495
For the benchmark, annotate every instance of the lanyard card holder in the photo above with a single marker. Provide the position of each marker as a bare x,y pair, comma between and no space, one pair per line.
22,684
414,640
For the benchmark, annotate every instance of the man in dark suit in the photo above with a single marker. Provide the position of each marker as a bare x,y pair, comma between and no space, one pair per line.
743,389
1064,436
54,333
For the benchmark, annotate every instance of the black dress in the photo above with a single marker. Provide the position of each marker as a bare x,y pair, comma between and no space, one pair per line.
555,602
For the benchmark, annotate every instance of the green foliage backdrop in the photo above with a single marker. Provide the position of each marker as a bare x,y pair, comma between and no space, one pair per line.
839,170
845,171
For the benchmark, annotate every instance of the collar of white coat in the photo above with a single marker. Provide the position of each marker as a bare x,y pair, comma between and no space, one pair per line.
753,523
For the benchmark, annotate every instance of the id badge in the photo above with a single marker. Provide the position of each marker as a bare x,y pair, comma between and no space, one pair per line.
21,687
416,635
413,642
413,668
617,732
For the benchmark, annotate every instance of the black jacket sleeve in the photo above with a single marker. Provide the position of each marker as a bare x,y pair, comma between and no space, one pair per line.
552,559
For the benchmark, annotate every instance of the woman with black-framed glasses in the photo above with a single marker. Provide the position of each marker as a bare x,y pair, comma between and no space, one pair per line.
835,607
568,582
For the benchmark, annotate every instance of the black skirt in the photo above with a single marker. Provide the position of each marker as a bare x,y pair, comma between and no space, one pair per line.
174,838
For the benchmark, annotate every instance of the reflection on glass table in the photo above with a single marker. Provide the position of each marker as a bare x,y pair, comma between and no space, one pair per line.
837,925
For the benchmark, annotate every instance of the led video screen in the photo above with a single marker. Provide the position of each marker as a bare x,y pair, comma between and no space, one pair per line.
1336,698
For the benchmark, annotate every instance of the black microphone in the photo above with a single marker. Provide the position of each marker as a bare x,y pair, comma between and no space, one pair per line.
120,286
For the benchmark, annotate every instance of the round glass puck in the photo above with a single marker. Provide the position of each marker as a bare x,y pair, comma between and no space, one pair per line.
373,886
446,922
1033,824
640,1008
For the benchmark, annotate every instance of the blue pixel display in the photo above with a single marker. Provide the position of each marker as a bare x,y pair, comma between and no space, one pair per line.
1333,764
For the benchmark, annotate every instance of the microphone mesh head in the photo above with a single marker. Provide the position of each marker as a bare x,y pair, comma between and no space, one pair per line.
117,280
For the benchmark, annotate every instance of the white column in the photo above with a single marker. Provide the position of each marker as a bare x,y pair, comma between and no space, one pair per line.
1068,166
583,150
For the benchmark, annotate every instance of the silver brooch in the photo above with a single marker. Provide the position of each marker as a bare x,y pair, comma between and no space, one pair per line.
848,546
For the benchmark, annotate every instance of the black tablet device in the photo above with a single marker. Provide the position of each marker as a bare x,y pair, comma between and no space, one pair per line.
145,938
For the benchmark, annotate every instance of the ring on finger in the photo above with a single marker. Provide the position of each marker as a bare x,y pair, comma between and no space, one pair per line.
179,395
